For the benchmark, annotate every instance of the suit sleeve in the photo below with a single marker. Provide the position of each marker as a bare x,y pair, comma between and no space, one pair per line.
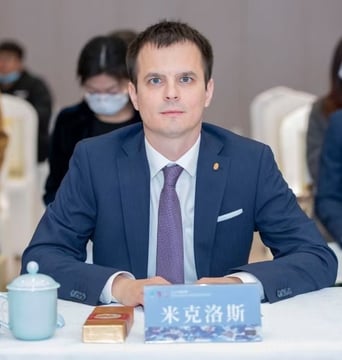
59,242
302,260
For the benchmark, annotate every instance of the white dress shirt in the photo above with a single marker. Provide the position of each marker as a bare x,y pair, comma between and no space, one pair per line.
185,188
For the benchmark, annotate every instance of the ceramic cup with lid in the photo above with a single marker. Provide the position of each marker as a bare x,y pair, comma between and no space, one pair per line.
32,305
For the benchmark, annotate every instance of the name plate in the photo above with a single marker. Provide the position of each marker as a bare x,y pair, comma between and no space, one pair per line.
202,313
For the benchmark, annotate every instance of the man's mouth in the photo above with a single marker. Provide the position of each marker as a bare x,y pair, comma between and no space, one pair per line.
172,112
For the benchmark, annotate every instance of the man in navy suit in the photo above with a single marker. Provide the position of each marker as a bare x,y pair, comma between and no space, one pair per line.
229,188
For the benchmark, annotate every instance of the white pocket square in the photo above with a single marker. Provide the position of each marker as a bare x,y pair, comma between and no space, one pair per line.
229,215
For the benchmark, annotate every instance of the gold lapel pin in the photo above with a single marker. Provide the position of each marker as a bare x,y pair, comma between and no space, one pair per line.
216,166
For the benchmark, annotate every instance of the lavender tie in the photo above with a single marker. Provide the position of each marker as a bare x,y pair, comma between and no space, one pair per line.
170,262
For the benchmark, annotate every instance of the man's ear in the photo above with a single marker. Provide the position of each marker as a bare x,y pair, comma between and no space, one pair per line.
209,92
133,95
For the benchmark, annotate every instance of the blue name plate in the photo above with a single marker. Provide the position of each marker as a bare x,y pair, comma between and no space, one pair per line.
202,313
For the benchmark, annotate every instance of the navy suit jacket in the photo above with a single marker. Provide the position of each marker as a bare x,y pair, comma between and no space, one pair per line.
105,197
328,204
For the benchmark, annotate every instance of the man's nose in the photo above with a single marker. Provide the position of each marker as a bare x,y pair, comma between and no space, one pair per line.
171,92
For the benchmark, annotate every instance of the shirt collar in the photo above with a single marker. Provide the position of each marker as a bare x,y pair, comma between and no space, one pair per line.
188,161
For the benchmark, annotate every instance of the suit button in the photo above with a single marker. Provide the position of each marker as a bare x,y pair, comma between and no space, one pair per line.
80,296
285,292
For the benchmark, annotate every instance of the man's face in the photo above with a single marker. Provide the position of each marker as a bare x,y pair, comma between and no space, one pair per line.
9,62
171,93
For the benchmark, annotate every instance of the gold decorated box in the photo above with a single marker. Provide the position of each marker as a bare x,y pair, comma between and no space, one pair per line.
108,324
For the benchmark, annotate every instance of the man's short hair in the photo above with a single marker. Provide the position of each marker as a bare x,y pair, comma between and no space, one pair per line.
164,34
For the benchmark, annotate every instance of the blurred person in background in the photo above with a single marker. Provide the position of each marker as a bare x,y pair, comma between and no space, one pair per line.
102,74
322,108
18,81
328,201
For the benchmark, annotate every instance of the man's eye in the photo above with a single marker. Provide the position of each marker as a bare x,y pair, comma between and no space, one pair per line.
155,81
186,79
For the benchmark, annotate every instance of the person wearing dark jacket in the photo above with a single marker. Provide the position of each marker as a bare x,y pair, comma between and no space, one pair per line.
328,201
16,80
105,107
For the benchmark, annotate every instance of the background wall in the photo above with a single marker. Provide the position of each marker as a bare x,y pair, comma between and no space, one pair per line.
257,43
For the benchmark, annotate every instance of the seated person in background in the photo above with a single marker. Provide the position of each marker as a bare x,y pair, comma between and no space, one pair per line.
16,80
105,107
320,112
328,201
3,137
201,232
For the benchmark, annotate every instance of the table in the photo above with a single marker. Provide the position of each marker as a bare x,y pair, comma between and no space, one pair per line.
308,326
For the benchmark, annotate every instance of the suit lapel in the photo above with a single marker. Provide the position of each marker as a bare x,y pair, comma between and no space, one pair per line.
212,172
134,175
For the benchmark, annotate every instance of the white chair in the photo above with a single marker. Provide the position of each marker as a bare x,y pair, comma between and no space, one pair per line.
4,216
20,174
257,107
4,219
292,142
267,111
4,234
267,115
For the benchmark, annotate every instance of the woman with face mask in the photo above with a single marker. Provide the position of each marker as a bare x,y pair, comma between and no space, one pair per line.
105,105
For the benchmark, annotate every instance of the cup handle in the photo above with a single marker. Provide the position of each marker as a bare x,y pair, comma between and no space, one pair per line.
3,323
60,321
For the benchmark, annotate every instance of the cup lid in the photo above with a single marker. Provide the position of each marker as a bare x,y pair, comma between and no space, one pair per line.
33,281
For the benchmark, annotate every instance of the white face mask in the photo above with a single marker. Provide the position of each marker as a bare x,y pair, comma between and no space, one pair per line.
106,104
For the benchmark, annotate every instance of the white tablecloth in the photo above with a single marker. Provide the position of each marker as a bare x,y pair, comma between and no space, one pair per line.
308,326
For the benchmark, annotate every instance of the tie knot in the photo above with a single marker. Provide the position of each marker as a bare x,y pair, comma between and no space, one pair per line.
171,174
